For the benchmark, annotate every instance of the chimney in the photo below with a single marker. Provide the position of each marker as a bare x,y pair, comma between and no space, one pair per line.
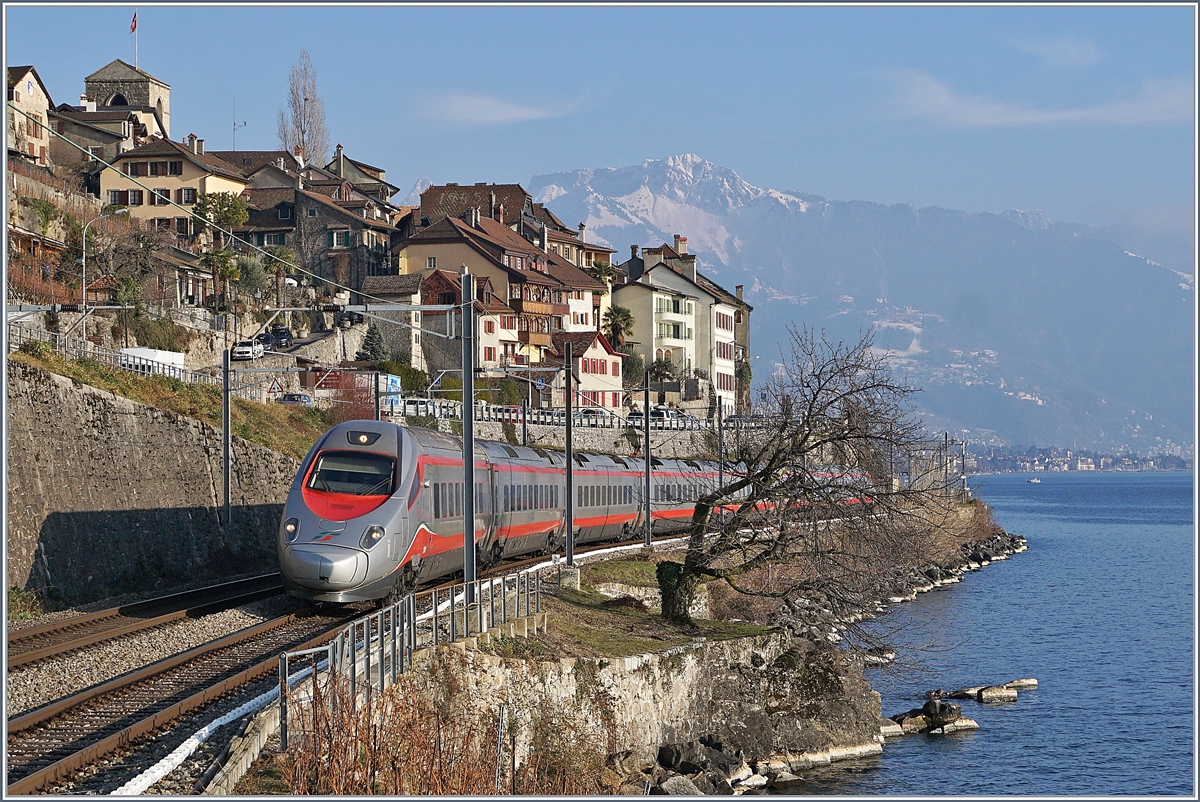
500,212
341,161
191,142
581,228
298,152
633,251
199,147
299,180
492,205
279,162
738,291
681,245
86,103
545,238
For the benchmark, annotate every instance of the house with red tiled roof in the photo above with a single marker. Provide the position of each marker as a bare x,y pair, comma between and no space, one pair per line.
333,241
496,336
159,182
598,368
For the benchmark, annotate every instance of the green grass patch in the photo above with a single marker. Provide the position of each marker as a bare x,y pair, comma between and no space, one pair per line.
23,604
638,573
290,430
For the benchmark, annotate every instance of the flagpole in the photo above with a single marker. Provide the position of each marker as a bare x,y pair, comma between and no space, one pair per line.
135,39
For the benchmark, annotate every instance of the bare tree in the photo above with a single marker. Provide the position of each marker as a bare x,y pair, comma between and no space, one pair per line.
809,509
303,123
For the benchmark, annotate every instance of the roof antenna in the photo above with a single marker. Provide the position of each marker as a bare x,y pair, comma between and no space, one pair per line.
236,124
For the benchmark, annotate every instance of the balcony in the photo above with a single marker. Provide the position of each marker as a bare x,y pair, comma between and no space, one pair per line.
522,306
560,309
534,337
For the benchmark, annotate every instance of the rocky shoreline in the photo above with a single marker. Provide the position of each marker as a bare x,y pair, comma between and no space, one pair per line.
719,764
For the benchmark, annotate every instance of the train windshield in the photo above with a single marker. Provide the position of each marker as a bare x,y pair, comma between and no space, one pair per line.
353,473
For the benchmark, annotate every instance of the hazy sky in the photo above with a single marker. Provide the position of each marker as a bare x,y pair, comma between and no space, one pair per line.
1085,113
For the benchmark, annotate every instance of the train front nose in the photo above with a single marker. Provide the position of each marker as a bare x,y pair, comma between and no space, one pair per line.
325,568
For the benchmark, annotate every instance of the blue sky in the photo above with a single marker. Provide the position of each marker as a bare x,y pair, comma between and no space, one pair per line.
1085,113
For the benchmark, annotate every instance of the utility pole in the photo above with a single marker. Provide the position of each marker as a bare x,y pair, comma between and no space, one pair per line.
468,417
720,462
226,425
570,506
524,421
376,375
646,432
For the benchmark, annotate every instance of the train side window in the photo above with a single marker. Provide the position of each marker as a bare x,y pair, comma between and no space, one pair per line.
437,501
506,498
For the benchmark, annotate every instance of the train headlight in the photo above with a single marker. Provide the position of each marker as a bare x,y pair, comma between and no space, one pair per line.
291,529
373,535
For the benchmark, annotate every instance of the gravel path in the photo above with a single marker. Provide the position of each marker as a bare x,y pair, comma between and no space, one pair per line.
30,686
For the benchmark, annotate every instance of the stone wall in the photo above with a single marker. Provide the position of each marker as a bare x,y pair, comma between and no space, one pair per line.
765,695
106,495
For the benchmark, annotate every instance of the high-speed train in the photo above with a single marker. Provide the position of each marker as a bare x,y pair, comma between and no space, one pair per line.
377,508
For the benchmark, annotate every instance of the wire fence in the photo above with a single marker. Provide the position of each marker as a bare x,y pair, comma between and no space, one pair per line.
80,349
373,651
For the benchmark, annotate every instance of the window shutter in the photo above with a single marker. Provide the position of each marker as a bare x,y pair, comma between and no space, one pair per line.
124,197
179,196
282,238
330,239
261,240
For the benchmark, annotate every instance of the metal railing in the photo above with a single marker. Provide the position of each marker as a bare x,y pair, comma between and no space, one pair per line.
373,651
76,348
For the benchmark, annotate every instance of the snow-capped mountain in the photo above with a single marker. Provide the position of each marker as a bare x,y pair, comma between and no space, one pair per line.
1017,327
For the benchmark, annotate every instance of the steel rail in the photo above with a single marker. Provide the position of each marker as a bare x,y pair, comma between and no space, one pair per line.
66,765
58,637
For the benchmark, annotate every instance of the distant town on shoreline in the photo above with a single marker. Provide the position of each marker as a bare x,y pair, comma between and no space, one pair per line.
1016,459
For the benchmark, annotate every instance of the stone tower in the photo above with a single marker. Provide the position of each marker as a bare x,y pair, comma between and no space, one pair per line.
122,84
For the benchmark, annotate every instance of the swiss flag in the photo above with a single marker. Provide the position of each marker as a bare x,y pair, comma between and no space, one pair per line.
133,25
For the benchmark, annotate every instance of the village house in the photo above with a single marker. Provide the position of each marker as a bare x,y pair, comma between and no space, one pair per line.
685,318
28,135
403,341
597,366
157,179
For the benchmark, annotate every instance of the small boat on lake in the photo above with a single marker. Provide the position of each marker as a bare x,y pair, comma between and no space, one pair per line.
1034,481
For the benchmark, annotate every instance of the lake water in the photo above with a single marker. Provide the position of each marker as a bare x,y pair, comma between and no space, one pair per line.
1098,610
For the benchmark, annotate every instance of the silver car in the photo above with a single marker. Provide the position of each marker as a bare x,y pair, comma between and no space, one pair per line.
247,349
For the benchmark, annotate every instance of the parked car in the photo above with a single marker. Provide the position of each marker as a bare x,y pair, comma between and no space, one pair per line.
296,399
635,418
268,342
282,335
247,349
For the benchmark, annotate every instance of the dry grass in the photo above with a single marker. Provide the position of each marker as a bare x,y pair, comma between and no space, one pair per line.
288,429
585,623
425,736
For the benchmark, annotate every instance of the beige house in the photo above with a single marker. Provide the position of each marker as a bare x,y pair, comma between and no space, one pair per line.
29,136
159,182
597,366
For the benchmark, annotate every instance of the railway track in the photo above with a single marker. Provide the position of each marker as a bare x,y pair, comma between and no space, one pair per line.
58,637
49,744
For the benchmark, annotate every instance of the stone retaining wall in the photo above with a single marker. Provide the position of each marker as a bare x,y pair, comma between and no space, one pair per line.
106,494
767,695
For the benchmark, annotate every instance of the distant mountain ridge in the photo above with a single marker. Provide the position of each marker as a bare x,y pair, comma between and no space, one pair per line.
1019,329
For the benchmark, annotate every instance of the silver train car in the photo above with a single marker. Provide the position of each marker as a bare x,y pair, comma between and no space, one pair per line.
377,508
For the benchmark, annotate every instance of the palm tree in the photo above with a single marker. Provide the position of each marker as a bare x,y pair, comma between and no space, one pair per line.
219,262
604,272
280,262
618,323
661,370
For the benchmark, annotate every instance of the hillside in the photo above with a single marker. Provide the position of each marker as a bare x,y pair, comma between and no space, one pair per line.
1019,329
